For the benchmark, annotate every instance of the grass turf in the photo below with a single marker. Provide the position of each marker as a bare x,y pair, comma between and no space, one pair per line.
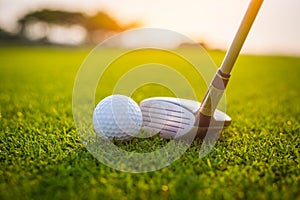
42,157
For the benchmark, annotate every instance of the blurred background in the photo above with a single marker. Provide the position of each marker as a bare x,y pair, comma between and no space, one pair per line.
44,43
212,23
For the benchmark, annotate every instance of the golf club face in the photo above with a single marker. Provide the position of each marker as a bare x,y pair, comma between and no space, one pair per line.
175,117
166,117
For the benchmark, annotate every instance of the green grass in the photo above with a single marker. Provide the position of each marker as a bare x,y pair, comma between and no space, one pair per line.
41,155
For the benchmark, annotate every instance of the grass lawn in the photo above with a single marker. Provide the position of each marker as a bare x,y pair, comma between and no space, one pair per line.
41,155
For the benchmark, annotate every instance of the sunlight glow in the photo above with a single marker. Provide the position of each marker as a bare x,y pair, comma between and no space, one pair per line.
276,29
67,35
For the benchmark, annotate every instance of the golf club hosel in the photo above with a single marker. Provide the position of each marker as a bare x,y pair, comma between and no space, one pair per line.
212,97
220,80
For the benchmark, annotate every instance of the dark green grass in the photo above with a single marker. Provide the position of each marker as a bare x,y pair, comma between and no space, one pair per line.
41,156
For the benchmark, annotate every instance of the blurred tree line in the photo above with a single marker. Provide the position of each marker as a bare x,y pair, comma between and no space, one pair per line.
34,27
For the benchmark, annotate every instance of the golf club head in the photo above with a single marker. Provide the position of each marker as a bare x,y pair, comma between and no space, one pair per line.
175,117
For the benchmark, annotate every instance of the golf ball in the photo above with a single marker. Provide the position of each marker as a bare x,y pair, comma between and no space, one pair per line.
117,117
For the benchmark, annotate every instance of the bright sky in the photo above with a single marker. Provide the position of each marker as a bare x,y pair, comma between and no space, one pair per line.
276,30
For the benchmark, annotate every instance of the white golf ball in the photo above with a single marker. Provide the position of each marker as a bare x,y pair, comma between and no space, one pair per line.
117,117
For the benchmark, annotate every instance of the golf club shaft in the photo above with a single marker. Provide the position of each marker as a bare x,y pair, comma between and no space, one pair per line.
222,76
240,36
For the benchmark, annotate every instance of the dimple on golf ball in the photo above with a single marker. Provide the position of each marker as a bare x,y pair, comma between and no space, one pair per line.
117,117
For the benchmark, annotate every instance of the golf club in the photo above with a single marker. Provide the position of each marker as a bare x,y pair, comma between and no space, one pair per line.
174,116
